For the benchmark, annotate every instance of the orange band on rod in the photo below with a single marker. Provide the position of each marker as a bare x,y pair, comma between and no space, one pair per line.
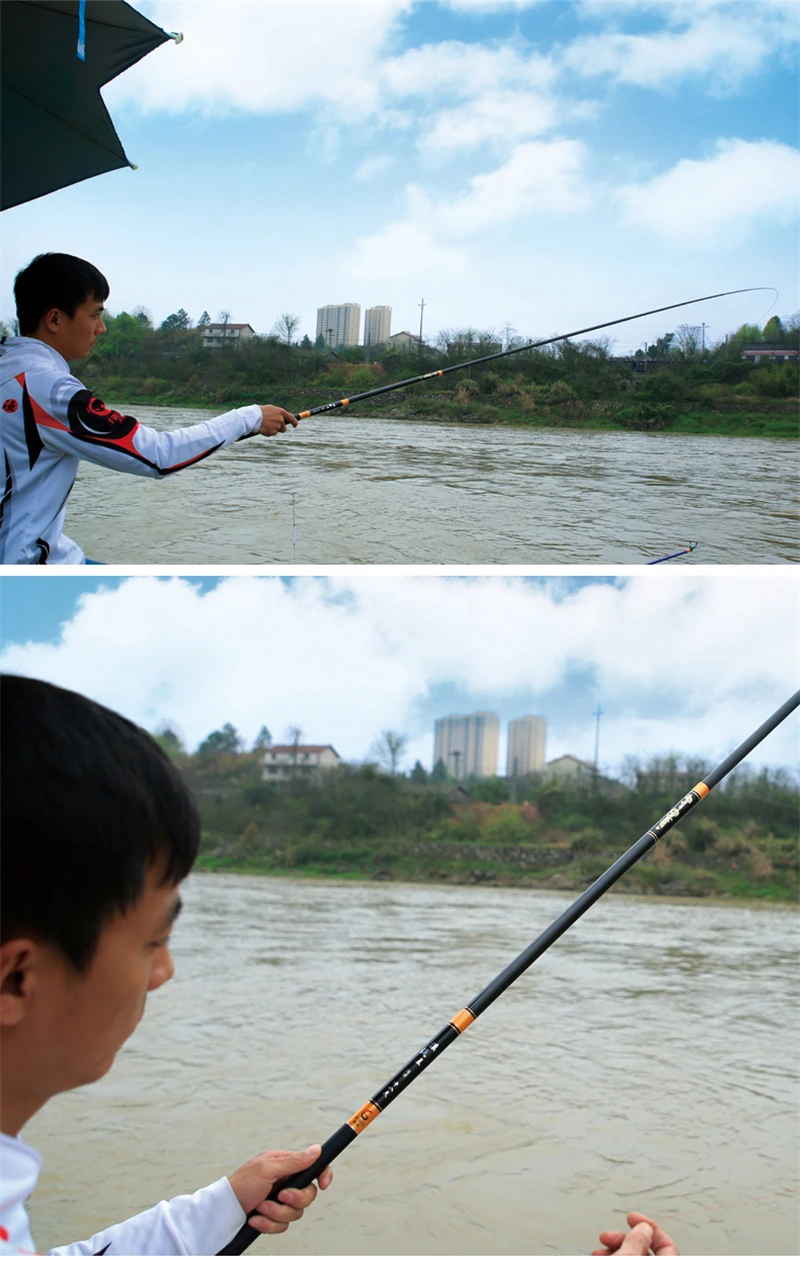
364,1117
305,414
345,402
702,789
462,1020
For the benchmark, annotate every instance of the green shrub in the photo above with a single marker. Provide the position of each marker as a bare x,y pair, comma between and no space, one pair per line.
775,380
644,415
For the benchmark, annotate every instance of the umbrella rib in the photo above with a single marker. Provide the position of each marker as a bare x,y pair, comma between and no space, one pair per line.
38,106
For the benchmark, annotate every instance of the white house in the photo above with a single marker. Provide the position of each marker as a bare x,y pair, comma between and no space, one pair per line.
570,768
230,335
285,761
403,339
769,354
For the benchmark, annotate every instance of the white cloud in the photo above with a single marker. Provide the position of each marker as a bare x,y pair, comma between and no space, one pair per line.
698,199
465,70
402,251
264,58
488,6
502,116
722,41
347,657
540,178
373,167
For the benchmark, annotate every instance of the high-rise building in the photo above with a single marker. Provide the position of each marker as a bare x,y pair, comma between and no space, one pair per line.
526,745
339,324
377,324
467,744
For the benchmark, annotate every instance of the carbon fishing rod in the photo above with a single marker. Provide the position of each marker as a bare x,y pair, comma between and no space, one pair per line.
687,550
350,1130
510,352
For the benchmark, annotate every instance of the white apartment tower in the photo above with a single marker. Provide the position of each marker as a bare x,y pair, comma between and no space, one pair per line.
467,744
526,745
339,324
377,324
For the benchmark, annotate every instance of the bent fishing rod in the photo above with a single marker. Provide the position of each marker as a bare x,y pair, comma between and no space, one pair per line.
510,352
350,1130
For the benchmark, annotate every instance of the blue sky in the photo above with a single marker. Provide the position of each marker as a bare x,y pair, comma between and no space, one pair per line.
546,165
678,662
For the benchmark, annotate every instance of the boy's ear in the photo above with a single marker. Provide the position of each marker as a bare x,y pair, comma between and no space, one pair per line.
17,961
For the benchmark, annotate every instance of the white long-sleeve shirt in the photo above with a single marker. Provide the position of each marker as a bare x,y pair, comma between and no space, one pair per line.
49,421
199,1223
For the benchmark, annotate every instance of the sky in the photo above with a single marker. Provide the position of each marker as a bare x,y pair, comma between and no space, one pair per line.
678,662
532,166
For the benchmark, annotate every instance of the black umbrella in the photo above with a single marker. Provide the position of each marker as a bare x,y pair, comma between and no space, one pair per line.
55,56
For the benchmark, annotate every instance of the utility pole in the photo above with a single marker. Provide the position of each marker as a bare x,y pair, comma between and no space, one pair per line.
421,307
703,338
595,772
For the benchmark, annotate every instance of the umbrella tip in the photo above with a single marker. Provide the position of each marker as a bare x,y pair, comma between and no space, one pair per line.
177,36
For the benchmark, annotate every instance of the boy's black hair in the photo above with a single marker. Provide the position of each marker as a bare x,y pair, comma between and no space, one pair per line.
89,800
54,280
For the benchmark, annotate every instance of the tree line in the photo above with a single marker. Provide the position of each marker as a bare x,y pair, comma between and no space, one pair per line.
348,818
172,359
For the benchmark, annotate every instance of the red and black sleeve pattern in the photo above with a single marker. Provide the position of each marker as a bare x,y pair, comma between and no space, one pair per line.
90,420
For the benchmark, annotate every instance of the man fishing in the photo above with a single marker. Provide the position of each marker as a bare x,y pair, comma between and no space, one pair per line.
49,421
98,830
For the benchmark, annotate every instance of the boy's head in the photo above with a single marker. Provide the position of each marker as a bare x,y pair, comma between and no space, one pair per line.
98,828
60,300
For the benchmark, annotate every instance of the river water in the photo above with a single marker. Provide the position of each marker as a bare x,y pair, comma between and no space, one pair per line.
378,491
646,1062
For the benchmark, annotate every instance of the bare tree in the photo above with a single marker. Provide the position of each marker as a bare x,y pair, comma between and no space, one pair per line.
510,337
224,317
295,734
687,339
389,748
286,326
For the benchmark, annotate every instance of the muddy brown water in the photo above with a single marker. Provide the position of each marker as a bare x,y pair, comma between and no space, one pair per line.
648,1061
380,491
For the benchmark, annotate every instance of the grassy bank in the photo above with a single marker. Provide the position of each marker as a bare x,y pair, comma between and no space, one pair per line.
514,866
360,822
742,416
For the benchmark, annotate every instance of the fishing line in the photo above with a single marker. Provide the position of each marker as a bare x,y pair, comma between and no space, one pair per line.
510,352
350,1130
772,305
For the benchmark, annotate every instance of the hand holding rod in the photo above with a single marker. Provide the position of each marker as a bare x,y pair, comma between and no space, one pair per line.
348,1132
510,352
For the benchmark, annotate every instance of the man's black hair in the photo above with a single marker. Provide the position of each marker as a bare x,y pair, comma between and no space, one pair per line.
89,801
54,280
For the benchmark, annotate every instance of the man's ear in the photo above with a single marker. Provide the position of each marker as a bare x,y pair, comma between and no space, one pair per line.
52,320
18,960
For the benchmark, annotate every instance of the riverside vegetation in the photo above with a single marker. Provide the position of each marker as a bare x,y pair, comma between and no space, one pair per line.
363,822
674,382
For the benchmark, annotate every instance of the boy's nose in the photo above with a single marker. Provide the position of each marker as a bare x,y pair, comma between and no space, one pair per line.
163,969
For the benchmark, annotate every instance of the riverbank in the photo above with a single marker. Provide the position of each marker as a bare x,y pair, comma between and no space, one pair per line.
559,867
770,419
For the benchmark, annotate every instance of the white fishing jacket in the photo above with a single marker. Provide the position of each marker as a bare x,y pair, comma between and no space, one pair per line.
49,421
195,1224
